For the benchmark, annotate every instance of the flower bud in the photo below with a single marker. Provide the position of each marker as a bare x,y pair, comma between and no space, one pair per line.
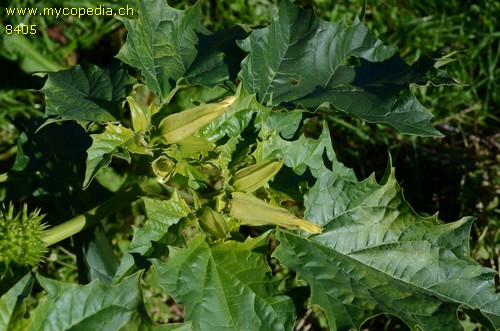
140,120
179,126
213,223
194,144
253,177
253,211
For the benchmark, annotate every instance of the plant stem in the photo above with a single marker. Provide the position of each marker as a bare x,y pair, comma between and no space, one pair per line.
91,217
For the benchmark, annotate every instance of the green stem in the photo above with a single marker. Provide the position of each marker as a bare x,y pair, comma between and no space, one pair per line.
91,217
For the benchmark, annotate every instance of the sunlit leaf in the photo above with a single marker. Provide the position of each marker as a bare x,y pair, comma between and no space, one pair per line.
301,154
12,306
90,307
226,286
161,43
87,93
376,255
161,216
115,141
300,59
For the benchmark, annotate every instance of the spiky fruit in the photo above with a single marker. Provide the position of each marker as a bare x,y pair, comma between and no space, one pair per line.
21,245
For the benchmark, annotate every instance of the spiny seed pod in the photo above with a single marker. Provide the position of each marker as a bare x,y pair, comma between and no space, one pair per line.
253,211
178,126
213,223
21,245
253,177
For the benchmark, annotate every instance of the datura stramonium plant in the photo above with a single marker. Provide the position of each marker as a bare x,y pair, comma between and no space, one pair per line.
21,244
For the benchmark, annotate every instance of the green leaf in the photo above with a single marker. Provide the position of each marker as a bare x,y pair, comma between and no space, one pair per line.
226,286
225,157
380,93
12,307
233,122
192,171
287,122
301,154
100,261
300,59
111,179
167,44
218,59
90,307
161,216
161,43
117,141
298,52
376,255
87,93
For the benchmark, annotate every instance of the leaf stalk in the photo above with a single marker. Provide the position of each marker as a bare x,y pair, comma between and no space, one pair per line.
92,216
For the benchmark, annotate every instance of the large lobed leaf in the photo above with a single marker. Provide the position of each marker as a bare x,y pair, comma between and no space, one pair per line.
168,44
300,59
226,286
95,307
87,93
88,307
302,154
161,44
376,255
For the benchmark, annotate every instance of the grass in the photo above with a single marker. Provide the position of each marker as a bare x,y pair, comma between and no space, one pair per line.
458,175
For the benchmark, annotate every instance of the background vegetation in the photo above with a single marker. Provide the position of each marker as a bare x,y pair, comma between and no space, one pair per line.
457,175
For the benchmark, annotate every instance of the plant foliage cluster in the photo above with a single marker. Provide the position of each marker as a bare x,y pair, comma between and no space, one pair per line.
249,217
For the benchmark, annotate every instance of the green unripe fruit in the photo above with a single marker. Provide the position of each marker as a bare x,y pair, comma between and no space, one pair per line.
21,245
